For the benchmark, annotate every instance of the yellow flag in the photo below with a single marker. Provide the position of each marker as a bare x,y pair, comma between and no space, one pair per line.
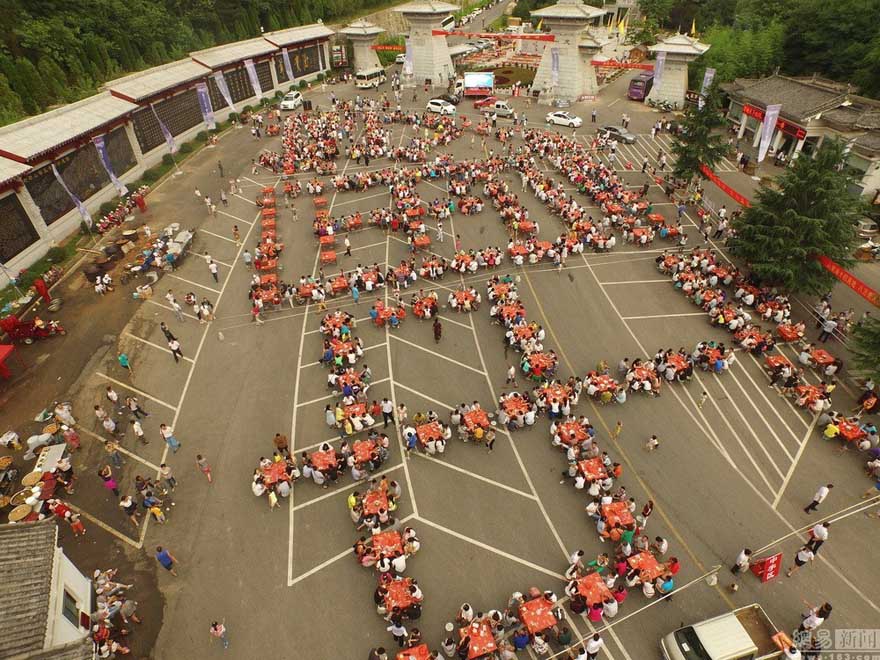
540,23
621,27
694,27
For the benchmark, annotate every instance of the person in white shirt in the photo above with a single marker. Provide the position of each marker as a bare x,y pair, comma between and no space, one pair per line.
818,536
803,556
399,564
741,563
593,646
818,498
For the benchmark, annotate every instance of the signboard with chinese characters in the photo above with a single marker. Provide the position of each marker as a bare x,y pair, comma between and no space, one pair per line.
767,568
786,127
338,57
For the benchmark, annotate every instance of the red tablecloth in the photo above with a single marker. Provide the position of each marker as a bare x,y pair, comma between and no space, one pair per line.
462,296
851,431
822,357
327,240
656,218
387,543
540,361
422,241
556,391
812,392
592,587
374,501
592,469
678,361
355,410
526,226
647,565
773,361
476,418
398,594
429,431
508,312
274,473
482,640
340,347
500,289
572,432
363,449
323,460
536,614
420,652
348,379
617,514
515,405
518,249
603,382
787,332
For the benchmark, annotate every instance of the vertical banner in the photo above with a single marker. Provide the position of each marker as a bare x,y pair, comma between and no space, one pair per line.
224,90
205,105
169,139
708,77
252,76
83,211
659,64
554,66
770,117
286,59
408,59
108,167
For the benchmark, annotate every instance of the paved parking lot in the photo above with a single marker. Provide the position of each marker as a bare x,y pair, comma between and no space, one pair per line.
735,472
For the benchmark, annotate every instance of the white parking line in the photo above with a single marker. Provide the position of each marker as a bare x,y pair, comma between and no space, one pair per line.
207,288
315,363
156,346
439,355
476,476
335,395
136,391
489,548
210,233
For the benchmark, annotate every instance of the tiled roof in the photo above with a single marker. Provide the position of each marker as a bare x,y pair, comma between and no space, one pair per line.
82,649
241,50
426,7
27,556
297,35
800,98
680,44
34,136
148,83
574,9
10,169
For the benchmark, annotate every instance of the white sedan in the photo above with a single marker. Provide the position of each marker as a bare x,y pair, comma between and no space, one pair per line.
440,106
563,118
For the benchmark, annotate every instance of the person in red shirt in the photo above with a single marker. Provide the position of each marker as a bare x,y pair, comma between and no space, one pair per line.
673,565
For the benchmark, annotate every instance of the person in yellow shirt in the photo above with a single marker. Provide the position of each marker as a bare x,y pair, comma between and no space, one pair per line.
831,431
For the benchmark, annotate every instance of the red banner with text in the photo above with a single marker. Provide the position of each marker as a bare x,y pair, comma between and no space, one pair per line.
615,64
392,47
502,36
767,568
850,280
730,192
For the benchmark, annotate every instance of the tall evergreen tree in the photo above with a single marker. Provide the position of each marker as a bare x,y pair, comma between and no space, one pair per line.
701,141
865,347
11,107
808,212
52,77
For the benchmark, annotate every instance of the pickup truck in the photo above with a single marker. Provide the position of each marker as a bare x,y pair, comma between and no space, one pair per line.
746,633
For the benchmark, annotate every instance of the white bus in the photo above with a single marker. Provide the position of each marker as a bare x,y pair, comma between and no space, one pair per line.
448,23
369,78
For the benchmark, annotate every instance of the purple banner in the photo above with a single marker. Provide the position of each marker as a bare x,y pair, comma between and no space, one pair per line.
252,76
554,65
205,105
169,139
105,161
659,63
767,128
83,211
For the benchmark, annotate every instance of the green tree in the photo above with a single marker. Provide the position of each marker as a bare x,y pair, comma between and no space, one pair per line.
865,347
807,212
11,107
52,77
701,141
644,32
658,10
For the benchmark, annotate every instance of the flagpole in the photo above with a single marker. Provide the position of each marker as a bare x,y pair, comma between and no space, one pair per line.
12,281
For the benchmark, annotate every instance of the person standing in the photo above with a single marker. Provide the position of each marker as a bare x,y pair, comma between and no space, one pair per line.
167,560
223,198
703,398
125,364
165,331
176,353
138,431
741,563
168,476
220,168
202,464
595,643
218,631
438,330
615,432
214,270
167,434
804,555
347,244
355,295
818,536
236,235
387,412
511,376
593,115
134,407
818,498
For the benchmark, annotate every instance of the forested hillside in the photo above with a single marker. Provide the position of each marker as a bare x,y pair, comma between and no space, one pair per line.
57,51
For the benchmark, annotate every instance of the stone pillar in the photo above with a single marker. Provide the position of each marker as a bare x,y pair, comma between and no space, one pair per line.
743,118
431,60
363,35
575,78
680,51
590,45
274,73
34,214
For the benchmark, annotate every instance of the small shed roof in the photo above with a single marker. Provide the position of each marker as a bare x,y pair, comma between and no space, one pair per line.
362,28
295,35
27,559
10,169
144,84
220,56
680,44
37,135
569,9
